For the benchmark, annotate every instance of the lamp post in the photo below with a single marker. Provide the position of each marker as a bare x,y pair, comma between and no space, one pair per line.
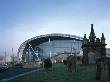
12,57
5,57
75,57
50,53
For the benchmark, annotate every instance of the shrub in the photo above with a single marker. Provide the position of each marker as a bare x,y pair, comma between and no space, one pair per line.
18,65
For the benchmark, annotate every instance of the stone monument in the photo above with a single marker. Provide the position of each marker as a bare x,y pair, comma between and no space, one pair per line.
48,64
93,48
71,63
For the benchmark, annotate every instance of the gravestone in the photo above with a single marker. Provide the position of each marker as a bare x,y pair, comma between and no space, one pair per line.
65,62
103,69
71,63
48,64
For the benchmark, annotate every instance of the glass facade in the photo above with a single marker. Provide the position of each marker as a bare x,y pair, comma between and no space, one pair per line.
59,46
68,44
52,48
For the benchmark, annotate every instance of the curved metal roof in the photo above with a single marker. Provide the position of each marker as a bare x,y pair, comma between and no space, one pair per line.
44,38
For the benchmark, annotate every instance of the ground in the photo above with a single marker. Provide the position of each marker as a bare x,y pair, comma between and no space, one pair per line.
12,71
60,74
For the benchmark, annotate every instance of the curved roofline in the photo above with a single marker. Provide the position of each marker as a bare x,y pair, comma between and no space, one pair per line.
23,45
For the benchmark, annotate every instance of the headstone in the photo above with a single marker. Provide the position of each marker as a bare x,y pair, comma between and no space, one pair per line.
65,62
103,69
71,63
47,64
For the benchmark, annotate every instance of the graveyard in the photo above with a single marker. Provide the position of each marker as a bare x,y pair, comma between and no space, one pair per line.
94,66
55,41
60,73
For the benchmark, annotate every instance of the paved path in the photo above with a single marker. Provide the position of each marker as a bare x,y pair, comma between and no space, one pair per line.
23,74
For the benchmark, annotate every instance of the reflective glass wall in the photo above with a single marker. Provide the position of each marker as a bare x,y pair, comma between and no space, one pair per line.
51,48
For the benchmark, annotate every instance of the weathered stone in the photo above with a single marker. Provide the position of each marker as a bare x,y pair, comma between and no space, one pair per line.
65,62
93,48
47,64
103,69
71,63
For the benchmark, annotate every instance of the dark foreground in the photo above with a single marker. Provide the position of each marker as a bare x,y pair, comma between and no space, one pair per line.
60,74
12,71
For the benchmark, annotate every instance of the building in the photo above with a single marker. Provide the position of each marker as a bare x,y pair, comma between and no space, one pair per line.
49,45
93,48
108,52
5,60
59,58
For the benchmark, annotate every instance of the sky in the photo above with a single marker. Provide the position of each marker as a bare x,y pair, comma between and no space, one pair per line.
23,19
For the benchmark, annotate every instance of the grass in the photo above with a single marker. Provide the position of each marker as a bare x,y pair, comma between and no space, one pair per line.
12,71
60,74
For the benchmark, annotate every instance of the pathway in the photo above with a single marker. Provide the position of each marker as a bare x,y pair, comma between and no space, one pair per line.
23,74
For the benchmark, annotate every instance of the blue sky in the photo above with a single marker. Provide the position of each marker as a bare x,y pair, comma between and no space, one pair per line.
24,19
